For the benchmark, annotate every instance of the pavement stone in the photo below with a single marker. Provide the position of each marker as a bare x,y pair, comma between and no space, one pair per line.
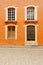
29,55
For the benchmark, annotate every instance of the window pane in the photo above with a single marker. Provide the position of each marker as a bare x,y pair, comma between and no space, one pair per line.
13,28
30,13
9,28
11,14
9,32
13,32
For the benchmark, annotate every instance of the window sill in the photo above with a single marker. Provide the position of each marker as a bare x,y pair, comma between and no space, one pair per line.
11,38
31,20
10,21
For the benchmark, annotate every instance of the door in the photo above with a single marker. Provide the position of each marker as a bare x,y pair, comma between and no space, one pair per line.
30,33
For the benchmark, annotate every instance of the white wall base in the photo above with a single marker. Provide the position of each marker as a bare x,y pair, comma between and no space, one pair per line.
31,43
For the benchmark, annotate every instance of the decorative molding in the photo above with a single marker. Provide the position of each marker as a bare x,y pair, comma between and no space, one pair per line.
6,9
36,7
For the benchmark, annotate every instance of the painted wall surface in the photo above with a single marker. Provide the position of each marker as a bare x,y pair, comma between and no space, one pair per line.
20,20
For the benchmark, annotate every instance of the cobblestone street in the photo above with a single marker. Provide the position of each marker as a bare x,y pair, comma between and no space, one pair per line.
21,56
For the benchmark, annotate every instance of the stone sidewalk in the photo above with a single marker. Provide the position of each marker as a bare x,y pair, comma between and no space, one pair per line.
30,55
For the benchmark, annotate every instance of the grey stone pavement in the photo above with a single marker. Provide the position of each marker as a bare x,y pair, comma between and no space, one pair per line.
29,55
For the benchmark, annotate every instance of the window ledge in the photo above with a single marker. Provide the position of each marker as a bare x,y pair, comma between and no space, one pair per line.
10,21
11,39
31,20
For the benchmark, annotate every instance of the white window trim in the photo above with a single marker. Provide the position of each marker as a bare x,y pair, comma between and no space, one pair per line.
31,42
6,30
36,7
6,9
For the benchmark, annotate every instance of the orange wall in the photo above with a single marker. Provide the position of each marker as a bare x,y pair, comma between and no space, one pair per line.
20,20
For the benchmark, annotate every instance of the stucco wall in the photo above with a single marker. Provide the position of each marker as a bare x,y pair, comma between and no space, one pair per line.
20,20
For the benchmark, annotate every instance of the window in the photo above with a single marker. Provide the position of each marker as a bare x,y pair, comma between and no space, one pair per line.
11,31
31,13
11,13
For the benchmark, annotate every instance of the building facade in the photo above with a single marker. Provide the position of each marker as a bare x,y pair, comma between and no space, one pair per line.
21,22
